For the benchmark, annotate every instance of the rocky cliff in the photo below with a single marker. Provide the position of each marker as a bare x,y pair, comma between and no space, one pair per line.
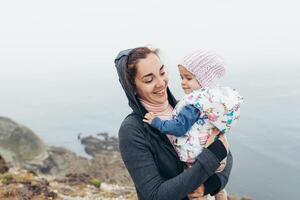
20,145
31,167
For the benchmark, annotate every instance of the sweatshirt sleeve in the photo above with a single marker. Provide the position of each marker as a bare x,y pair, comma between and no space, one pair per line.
139,161
180,124
219,180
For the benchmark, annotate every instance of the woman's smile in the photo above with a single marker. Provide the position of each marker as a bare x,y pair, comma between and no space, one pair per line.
160,92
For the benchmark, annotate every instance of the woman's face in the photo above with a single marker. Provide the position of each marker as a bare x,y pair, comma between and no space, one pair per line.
151,80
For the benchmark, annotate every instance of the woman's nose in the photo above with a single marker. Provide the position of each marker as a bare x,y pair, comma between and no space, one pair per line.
161,82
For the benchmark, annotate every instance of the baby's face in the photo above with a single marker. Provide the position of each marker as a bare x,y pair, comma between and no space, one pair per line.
189,83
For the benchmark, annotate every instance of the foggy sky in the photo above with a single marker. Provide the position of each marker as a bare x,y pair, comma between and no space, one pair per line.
83,35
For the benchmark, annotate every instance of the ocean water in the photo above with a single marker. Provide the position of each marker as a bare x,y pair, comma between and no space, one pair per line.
265,143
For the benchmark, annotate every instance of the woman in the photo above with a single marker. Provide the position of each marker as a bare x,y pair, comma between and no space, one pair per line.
149,156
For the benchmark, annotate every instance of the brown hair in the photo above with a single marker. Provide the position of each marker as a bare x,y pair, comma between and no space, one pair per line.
133,58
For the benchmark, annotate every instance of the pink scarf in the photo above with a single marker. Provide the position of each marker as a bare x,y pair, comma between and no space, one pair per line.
163,111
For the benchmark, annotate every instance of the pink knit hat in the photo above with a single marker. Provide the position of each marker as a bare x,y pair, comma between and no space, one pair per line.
207,66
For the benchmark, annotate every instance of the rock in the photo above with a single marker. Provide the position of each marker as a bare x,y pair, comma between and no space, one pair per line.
75,179
3,166
110,168
19,145
99,145
107,166
21,184
23,148
62,161
106,163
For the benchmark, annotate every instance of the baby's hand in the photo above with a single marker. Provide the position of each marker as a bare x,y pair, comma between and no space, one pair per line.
149,117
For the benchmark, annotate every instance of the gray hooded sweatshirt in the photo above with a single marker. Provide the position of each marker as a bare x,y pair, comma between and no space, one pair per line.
151,160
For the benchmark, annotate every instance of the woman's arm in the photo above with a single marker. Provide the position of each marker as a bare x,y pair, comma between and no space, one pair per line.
139,161
214,183
224,175
219,180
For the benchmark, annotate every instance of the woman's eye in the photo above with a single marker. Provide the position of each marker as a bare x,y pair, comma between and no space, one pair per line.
148,81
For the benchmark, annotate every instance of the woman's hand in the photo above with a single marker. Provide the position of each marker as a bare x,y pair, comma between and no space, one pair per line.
215,132
149,117
199,192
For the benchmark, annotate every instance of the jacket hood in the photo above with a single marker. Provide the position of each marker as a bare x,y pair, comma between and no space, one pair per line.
133,101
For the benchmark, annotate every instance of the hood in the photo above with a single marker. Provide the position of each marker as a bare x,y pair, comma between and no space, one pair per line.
133,102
